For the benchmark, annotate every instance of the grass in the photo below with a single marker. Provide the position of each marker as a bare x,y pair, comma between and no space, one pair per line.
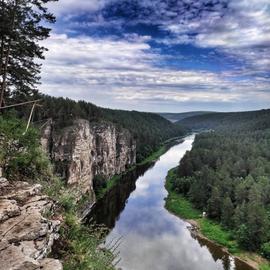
178,204
182,207
78,243
218,234
265,266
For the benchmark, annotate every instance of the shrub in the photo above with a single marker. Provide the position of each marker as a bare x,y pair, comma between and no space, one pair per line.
266,250
99,183
20,155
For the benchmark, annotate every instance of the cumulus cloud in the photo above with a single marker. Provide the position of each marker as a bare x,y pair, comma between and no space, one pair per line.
242,30
66,7
123,73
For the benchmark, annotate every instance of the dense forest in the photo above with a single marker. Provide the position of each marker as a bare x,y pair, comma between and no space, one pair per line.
149,129
227,174
240,120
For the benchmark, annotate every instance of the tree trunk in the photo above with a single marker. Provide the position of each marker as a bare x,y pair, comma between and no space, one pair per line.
6,62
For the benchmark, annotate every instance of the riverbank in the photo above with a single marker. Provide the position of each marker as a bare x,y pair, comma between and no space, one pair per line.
208,229
79,243
151,159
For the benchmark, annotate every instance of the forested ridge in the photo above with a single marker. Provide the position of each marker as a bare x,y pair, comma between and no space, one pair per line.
234,120
149,129
227,174
174,117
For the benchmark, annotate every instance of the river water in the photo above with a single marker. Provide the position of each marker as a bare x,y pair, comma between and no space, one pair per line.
144,234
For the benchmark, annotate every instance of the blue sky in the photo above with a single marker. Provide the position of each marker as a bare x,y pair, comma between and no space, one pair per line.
161,55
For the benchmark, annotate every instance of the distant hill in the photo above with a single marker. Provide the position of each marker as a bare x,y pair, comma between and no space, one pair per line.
244,120
174,117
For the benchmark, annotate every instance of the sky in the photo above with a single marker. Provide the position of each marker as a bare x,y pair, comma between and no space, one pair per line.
161,55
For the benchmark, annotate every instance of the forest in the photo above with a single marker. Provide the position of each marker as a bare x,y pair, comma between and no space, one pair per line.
149,129
247,120
227,174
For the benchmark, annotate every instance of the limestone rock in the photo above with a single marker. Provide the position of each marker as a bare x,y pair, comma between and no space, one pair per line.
86,149
26,235
51,264
8,209
12,258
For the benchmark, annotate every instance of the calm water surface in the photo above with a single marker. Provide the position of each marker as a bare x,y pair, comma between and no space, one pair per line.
151,237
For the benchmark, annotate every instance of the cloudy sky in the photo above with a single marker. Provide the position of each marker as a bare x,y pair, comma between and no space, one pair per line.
161,55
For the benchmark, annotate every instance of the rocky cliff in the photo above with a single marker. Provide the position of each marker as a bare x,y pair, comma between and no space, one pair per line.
26,234
86,149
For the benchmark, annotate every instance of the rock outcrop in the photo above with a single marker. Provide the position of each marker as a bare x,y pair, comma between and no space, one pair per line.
86,149
26,235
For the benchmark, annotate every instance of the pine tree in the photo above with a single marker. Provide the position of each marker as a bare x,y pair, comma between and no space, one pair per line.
227,212
257,224
22,28
214,204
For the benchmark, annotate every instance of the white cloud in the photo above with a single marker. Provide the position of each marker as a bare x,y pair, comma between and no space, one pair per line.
64,7
242,31
123,73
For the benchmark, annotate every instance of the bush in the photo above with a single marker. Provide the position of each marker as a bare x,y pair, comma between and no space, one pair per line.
99,183
266,250
20,155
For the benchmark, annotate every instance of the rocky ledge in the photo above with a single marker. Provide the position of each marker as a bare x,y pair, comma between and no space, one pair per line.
26,234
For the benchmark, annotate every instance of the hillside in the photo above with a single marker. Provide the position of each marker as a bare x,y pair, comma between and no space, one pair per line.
174,117
227,174
149,129
245,120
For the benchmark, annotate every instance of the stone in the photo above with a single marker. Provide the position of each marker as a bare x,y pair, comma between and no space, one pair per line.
3,182
26,227
86,149
12,258
51,264
26,235
8,209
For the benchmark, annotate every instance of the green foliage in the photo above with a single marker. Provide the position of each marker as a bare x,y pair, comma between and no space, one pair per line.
23,26
214,231
253,120
22,159
149,130
265,249
265,267
99,183
181,206
177,203
227,212
81,243
228,172
20,155
214,204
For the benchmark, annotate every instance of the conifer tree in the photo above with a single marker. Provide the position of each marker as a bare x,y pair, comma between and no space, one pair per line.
22,27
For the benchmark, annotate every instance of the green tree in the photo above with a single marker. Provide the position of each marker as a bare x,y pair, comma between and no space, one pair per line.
227,212
21,30
214,204
257,224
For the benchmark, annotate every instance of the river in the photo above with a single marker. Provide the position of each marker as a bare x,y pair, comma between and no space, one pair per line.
144,234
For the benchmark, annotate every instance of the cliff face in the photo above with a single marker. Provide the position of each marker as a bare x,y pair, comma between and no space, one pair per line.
86,149
26,234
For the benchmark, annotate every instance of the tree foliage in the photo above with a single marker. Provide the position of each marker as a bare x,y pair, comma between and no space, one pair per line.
21,30
149,129
229,174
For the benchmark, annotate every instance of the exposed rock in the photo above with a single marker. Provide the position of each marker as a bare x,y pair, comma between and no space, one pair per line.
26,235
49,264
8,209
86,149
